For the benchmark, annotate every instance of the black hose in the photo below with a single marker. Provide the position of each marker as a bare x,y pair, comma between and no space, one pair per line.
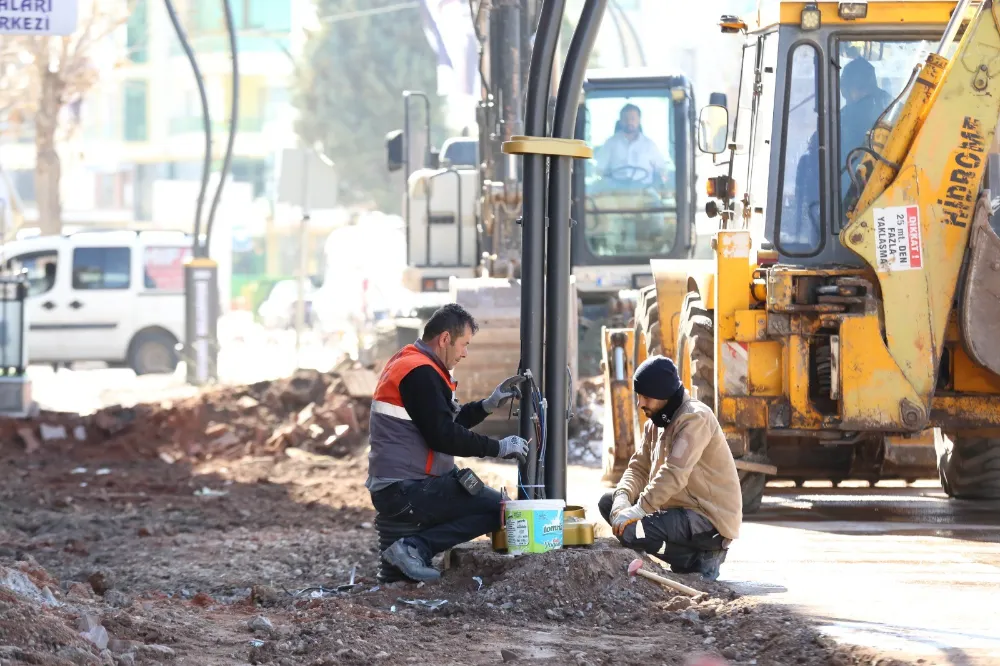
182,37
233,122
533,225
558,266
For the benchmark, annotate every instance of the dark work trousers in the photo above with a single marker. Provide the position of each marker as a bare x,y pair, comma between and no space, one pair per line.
441,507
682,538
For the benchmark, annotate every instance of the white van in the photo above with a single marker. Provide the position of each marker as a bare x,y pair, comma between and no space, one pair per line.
112,296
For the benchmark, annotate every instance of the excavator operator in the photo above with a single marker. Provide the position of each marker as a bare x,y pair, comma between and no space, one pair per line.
629,155
679,499
865,102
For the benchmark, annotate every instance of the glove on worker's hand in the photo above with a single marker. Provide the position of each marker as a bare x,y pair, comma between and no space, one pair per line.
620,504
627,517
508,388
514,447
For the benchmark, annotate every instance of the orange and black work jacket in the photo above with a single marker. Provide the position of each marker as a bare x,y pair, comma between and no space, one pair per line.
417,427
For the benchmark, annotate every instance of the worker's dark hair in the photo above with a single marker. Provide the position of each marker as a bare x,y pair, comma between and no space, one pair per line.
858,75
630,107
452,318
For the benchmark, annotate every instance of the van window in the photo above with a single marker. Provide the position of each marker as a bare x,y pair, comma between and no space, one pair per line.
102,268
40,267
163,268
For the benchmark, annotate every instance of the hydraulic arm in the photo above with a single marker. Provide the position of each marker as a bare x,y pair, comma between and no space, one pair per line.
913,219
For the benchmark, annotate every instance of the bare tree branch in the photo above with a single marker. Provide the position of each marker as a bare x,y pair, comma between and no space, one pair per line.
40,76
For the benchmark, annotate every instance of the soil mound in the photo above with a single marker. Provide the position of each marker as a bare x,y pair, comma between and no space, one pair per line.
319,412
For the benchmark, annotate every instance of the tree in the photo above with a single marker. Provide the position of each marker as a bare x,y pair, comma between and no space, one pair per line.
349,88
44,79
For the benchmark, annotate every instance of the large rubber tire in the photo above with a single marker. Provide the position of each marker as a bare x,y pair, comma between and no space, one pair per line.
647,323
696,345
969,467
752,486
696,332
153,352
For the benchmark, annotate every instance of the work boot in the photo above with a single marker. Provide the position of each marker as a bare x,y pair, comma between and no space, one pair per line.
407,559
711,561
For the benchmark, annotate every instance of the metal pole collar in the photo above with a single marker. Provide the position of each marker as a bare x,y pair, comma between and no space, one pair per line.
544,145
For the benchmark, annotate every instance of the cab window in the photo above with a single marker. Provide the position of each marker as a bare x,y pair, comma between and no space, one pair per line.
101,268
800,216
40,269
631,191
872,74
762,89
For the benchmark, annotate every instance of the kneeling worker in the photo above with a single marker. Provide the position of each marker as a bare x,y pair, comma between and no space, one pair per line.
417,427
679,499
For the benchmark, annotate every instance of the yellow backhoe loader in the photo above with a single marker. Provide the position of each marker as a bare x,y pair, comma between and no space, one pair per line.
849,324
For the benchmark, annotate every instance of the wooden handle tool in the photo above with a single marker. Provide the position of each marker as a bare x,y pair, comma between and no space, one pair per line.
636,568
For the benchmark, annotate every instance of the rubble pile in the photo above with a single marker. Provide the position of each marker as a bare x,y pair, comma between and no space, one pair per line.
45,621
319,412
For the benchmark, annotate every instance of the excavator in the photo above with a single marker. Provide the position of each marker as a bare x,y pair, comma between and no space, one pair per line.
847,325
463,205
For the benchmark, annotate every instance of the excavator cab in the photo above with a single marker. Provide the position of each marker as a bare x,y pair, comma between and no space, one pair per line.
635,199
630,204
846,327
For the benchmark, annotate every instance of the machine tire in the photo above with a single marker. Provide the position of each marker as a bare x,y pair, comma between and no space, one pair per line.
752,486
153,352
969,467
697,333
647,322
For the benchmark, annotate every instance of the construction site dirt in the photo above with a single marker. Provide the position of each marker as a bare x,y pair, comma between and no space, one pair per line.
235,528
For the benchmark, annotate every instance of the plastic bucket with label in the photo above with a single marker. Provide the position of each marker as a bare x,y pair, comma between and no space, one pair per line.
534,526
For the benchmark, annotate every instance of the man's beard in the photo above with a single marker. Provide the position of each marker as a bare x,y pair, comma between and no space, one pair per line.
648,412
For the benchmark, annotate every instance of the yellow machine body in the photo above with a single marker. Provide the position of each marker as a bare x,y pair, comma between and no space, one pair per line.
878,367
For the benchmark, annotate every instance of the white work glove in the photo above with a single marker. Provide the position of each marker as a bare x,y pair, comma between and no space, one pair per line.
620,504
627,517
508,388
514,447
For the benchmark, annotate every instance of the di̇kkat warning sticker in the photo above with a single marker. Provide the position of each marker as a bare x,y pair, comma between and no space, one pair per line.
898,246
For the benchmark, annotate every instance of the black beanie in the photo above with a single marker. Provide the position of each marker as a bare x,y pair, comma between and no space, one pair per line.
656,378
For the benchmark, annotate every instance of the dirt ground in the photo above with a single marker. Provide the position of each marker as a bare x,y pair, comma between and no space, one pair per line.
148,541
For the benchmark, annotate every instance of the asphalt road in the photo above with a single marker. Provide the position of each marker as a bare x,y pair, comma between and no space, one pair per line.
898,568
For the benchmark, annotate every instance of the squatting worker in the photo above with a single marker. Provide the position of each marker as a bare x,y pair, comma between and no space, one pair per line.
679,499
417,427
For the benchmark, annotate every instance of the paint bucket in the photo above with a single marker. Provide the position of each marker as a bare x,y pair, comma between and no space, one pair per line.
533,526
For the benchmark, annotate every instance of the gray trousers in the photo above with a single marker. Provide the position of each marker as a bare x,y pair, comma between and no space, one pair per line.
682,538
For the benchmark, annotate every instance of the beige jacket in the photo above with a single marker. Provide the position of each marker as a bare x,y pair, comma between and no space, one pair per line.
689,465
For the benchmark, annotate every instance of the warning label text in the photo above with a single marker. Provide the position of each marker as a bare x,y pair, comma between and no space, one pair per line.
898,246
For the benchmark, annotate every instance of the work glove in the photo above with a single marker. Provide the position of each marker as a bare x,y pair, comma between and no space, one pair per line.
627,517
508,388
620,504
514,447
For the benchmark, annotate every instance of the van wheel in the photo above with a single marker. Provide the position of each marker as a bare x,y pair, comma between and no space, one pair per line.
153,353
